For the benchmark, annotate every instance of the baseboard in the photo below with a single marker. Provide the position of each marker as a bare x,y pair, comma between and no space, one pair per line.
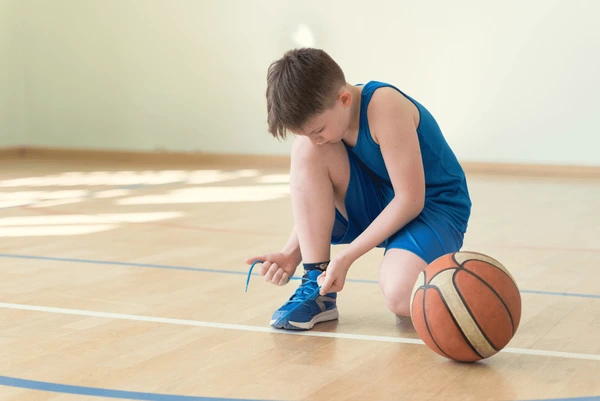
532,170
268,161
9,153
156,158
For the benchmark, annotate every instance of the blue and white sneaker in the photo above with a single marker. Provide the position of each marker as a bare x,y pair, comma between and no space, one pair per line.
306,307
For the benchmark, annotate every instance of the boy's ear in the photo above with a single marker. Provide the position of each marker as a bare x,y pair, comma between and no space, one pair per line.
345,97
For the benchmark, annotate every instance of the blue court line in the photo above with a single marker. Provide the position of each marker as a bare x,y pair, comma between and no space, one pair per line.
100,392
151,266
593,398
561,294
131,395
203,270
108,262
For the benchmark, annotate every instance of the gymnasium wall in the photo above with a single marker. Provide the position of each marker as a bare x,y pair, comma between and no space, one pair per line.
11,81
511,81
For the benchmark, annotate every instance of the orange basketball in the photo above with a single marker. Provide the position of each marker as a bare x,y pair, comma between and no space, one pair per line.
466,306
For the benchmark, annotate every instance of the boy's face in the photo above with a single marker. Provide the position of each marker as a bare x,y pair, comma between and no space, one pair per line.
331,125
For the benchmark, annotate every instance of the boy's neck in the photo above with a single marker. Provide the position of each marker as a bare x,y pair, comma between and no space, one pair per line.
352,134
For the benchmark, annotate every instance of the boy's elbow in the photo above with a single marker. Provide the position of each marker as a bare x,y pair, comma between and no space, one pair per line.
411,205
416,204
419,204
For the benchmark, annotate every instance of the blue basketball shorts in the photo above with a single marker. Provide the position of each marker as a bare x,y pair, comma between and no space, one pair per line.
429,236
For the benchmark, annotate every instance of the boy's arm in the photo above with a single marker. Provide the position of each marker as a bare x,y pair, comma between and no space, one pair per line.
392,124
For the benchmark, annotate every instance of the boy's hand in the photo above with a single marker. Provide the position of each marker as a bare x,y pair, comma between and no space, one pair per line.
277,268
333,279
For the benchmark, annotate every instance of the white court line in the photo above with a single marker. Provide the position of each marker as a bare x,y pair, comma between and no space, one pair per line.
228,326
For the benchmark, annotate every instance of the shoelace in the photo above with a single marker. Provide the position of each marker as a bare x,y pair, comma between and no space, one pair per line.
308,291
301,290
250,273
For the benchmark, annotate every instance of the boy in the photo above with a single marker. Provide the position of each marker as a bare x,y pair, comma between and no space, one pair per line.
369,168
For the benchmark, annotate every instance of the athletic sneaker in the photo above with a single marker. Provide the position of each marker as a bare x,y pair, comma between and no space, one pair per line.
306,307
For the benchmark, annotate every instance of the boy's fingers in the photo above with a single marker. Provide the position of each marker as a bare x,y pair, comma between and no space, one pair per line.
249,261
264,268
284,279
325,282
271,272
277,276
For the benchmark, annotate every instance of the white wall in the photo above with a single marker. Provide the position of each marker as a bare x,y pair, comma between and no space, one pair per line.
511,81
11,80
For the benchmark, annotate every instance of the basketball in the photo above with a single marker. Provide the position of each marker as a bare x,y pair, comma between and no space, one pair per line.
466,306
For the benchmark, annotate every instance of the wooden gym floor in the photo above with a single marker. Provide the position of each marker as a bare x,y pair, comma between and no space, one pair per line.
128,282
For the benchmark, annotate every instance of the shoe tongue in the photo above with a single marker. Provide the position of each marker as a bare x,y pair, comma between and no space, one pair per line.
312,274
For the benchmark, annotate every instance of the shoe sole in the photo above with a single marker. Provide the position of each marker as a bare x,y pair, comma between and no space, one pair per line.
326,316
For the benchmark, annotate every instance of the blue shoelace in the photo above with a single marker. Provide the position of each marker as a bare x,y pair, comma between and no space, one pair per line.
304,290
309,292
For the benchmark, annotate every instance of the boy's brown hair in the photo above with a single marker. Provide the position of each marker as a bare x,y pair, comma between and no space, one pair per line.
301,84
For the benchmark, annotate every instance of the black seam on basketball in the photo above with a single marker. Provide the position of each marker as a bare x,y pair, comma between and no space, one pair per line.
427,323
475,253
455,322
471,313
454,259
490,264
448,268
512,323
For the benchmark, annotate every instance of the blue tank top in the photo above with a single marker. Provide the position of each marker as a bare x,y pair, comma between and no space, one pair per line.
446,189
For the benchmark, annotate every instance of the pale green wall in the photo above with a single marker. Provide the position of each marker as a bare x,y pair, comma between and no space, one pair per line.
181,75
511,81
11,79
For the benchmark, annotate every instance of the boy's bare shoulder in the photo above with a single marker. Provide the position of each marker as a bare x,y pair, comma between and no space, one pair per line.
388,104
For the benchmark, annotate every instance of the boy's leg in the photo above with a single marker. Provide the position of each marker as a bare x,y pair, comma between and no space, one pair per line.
409,251
319,178
397,276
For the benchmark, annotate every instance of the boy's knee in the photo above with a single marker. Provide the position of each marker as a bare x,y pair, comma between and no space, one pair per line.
307,155
306,163
330,160
397,277
398,302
